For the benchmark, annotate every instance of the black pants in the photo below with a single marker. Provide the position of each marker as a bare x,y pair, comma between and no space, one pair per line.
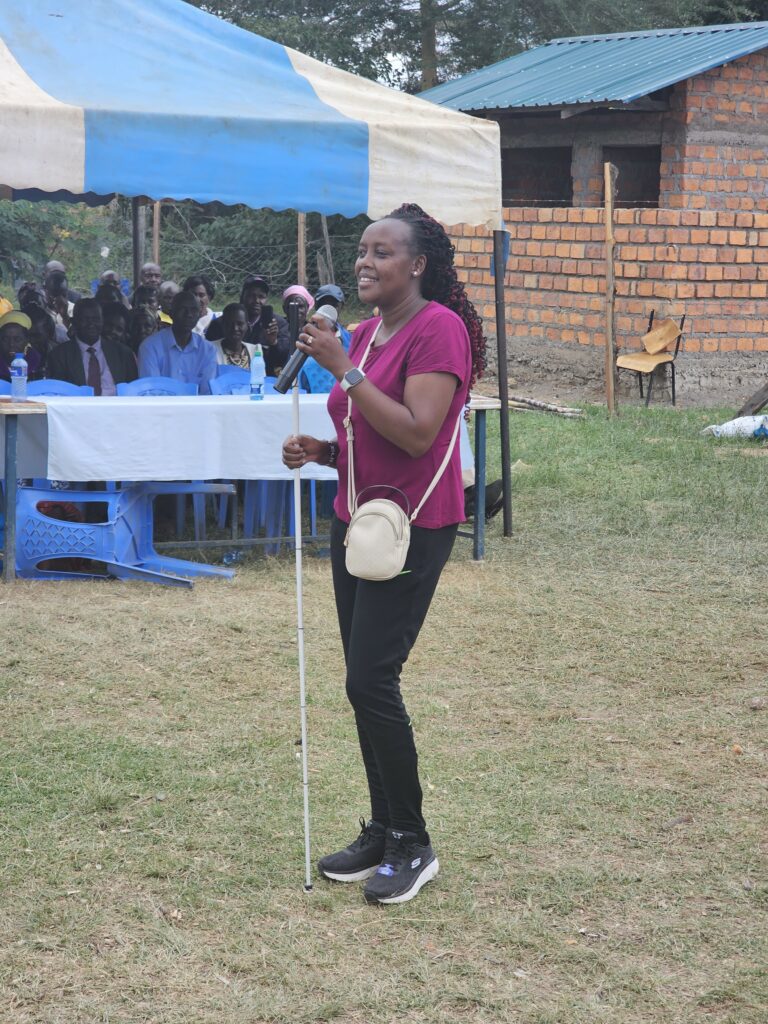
379,623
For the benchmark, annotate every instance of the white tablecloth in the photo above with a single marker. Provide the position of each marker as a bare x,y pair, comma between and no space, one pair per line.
208,437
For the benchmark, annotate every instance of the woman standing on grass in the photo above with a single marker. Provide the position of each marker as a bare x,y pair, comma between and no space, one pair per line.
427,351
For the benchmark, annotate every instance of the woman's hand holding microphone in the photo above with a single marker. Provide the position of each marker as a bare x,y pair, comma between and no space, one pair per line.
318,339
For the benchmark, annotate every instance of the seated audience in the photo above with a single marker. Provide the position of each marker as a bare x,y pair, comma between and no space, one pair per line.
298,293
265,328
112,277
30,291
58,267
143,323
88,358
203,290
165,294
56,298
42,333
14,338
146,295
332,295
108,294
150,275
319,379
178,351
233,349
116,319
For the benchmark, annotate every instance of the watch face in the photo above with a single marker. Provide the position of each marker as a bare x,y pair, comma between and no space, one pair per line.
353,377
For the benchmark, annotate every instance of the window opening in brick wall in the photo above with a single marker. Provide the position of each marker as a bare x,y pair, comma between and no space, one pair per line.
540,176
639,177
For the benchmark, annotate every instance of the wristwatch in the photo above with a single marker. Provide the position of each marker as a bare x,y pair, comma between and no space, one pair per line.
351,378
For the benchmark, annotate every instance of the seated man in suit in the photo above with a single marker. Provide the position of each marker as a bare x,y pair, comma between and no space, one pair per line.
88,358
178,351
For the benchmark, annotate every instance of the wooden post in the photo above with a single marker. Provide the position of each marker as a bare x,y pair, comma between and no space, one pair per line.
156,232
611,174
328,252
302,250
138,224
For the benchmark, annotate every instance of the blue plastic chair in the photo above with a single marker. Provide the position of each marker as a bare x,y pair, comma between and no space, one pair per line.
236,382
5,387
58,389
164,386
240,384
124,542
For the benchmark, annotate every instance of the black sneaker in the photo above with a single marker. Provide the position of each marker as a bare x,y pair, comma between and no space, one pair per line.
405,867
360,859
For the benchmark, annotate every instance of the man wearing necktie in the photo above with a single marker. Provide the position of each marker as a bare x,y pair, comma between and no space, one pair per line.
88,358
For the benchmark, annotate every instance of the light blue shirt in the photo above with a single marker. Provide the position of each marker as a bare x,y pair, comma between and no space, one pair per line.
160,356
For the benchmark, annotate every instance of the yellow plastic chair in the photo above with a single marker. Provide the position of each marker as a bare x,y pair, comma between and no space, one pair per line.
656,351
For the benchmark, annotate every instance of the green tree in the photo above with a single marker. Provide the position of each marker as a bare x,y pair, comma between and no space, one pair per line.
414,44
360,37
724,12
33,233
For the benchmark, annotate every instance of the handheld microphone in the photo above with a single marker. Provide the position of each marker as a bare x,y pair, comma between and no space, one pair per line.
293,320
292,368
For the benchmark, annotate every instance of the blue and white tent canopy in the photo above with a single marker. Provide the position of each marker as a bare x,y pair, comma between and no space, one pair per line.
157,98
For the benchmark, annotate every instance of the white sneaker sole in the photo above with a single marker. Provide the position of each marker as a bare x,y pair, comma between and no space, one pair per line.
429,872
355,876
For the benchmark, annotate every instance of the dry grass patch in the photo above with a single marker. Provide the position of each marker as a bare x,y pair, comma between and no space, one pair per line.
594,774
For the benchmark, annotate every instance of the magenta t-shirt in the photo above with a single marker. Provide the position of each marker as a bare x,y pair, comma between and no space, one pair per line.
434,341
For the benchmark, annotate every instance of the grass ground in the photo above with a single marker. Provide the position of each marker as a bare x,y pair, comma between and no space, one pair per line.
594,775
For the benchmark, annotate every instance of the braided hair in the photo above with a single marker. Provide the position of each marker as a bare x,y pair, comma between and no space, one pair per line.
439,281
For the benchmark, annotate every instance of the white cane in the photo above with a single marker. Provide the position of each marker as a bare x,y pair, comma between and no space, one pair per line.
300,642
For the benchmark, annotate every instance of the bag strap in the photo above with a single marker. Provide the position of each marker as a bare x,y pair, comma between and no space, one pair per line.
441,470
351,492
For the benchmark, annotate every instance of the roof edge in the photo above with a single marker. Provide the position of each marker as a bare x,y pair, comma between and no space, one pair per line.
650,33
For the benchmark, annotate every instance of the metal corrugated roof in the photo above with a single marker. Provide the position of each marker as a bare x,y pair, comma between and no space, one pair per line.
619,68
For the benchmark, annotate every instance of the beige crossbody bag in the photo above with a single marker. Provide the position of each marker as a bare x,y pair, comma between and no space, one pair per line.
379,531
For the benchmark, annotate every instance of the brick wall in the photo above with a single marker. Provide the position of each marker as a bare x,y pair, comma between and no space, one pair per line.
704,252
720,161
711,265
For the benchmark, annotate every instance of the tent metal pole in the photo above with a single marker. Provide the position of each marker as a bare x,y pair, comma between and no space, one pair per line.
499,271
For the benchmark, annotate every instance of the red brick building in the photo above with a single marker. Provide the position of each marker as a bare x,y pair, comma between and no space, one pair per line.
683,114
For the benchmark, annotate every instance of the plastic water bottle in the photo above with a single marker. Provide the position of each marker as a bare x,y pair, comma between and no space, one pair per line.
19,369
258,373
